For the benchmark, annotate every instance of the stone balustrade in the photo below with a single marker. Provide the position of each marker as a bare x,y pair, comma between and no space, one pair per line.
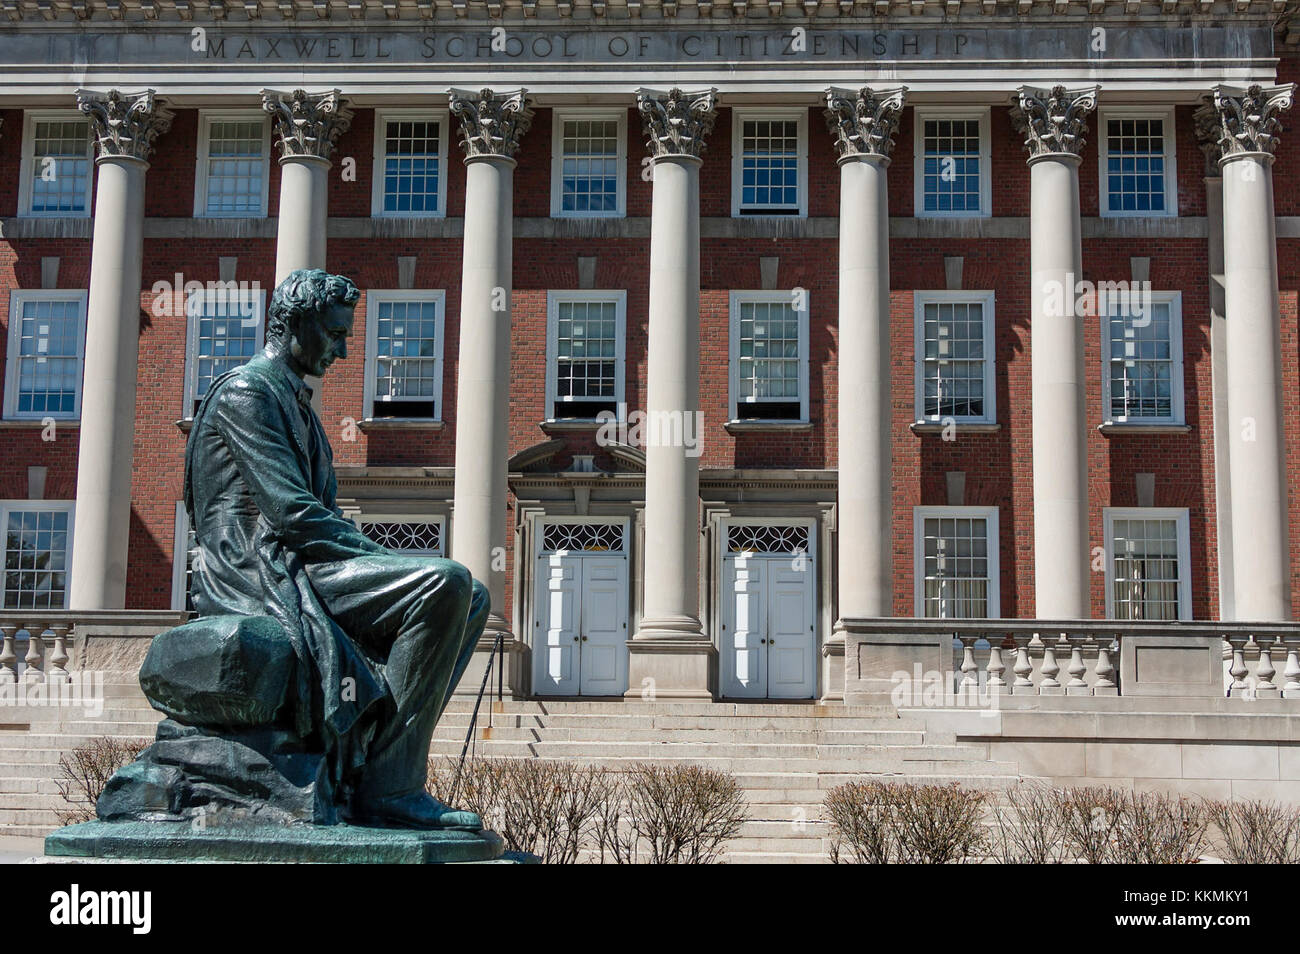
49,645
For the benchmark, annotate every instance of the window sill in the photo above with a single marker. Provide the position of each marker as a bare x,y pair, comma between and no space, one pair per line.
399,424
747,427
573,424
961,427
37,423
1117,427
185,424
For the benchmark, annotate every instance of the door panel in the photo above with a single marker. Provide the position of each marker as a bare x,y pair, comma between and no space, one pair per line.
604,626
743,641
790,636
557,602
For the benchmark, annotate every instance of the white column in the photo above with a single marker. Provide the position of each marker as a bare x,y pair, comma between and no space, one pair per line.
863,123
307,126
670,657
125,126
1256,450
1207,134
492,125
1053,125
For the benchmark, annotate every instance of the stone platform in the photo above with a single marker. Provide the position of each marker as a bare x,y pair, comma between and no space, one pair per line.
172,841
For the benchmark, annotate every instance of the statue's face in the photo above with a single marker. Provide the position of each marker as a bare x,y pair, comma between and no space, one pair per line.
315,345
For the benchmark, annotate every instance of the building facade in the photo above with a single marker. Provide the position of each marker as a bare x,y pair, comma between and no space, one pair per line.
693,329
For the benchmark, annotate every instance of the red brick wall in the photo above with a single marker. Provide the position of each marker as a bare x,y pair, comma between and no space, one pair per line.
998,466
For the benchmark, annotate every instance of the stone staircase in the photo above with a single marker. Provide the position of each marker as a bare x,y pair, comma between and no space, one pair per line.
785,756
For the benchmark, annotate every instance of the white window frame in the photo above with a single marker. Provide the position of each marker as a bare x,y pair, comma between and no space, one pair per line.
1171,160
739,116
17,298
988,514
1175,301
386,516
206,119
1179,514
921,114
382,117
258,298
733,334
559,117
9,506
27,164
374,297
180,554
553,300
986,299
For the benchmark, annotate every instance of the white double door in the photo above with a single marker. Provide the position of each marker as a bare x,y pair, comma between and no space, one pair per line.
582,605
768,627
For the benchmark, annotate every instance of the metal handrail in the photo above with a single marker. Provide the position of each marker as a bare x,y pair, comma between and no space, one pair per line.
498,647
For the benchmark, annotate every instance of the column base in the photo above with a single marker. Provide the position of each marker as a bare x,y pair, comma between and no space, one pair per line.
513,652
833,668
671,659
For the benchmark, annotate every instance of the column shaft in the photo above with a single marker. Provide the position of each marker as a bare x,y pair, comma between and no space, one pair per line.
304,214
1219,386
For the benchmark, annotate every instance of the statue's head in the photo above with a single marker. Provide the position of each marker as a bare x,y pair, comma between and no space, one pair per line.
310,318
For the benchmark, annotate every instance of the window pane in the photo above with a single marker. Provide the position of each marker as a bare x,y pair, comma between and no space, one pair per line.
406,358
1141,362
768,352
61,166
956,567
36,559
769,166
235,167
589,166
951,165
226,331
586,352
1145,574
1135,165
49,357
412,167
954,361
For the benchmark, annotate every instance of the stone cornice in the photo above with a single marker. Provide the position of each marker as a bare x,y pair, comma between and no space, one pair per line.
124,125
307,125
1248,122
677,123
1053,121
469,11
863,123
491,123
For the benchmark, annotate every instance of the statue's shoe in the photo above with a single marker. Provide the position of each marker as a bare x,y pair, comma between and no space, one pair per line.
417,810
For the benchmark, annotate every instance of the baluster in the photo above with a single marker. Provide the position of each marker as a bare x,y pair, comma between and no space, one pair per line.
8,658
1076,686
1105,684
57,670
1023,668
1264,671
1049,686
35,652
1238,668
996,666
1291,689
970,680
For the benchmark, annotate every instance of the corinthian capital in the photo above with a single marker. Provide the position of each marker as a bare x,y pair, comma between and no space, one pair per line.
1053,122
677,123
307,124
125,124
1205,123
491,124
1248,120
864,122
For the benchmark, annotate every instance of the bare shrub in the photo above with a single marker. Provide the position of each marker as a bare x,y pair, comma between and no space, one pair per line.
84,771
671,815
1031,829
1256,832
1090,817
1159,829
879,823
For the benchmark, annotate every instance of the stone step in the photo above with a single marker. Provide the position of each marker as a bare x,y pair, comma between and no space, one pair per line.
775,858
29,816
942,772
818,782
26,831
676,736
61,742
774,845
32,769
11,785
850,754
674,708
624,721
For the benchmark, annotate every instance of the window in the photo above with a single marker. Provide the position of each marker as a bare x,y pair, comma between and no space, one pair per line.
584,353
954,356
589,164
416,536
57,164
1147,564
404,355
769,169
232,165
409,172
38,546
1142,348
184,552
956,562
225,330
47,335
769,355
952,166
1138,175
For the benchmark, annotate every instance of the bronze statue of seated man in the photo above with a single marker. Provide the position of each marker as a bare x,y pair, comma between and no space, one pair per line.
309,688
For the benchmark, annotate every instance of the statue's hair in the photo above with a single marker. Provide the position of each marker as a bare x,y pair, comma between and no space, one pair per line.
306,291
